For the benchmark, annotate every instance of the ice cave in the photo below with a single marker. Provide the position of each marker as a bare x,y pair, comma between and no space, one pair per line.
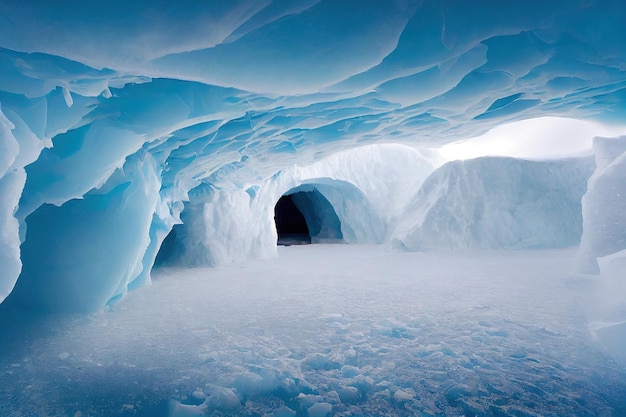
290,222
313,208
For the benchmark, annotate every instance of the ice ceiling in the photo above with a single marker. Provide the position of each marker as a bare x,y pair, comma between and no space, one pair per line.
119,122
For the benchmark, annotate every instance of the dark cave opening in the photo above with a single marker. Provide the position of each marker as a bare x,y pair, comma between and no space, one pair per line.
169,248
291,225
304,215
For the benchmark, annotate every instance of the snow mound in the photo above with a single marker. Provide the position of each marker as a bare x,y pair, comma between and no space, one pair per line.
497,203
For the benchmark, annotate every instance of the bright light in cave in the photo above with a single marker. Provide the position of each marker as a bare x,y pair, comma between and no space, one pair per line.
541,138
312,208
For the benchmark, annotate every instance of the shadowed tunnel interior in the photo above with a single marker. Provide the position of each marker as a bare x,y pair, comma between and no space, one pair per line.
167,251
303,216
290,222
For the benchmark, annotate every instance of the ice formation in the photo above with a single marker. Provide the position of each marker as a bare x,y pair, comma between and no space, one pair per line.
603,205
494,203
118,125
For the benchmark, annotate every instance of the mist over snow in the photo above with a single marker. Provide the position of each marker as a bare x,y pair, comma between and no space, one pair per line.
450,175
354,329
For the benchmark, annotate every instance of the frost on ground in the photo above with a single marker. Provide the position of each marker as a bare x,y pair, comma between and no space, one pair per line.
331,330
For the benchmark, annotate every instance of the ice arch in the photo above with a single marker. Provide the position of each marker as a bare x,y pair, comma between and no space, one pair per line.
291,226
321,223
348,215
248,88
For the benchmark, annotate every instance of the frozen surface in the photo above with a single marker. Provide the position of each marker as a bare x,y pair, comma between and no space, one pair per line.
339,329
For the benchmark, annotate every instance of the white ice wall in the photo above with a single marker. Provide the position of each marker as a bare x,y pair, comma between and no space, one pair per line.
380,194
604,223
19,146
367,186
496,202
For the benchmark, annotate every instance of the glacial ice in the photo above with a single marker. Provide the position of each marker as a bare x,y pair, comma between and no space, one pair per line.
494,203
605,227
144,132
236,104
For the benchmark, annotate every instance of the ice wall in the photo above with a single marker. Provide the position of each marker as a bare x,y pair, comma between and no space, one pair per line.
497,203
20,145
604,222
79,255
366,186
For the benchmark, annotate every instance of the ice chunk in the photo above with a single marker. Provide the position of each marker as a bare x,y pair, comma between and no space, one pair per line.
251,383
401,395
222,399
266,96
282,412
348,395
320,362
176,409
320,410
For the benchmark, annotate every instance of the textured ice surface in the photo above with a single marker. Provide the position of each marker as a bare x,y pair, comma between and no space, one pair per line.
348,328
497,203
603,205
219,98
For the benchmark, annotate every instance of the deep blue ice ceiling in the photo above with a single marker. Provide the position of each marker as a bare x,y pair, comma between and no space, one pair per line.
142,107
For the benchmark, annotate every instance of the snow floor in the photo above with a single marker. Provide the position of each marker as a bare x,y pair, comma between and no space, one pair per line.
330,330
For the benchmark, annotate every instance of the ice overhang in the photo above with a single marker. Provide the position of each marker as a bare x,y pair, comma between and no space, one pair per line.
159,104
374,70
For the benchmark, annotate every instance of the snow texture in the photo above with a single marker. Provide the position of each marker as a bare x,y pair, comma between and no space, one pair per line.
342,330
603,205
496,203
114,130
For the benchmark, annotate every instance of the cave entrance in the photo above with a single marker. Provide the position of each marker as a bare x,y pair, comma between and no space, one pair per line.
167,251
290,223
303,215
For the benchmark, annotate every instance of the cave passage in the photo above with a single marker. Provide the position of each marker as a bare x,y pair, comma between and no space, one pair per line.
304,215
290,223
167,250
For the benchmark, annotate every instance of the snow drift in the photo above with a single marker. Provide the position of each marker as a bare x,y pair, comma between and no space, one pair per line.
497,203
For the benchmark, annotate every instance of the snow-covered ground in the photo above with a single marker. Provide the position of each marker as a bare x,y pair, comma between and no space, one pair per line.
331,330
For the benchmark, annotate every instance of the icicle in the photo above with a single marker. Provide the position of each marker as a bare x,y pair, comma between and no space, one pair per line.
67,96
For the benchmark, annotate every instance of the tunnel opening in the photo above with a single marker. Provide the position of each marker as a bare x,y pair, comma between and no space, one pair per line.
169,250
290,223
303,215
